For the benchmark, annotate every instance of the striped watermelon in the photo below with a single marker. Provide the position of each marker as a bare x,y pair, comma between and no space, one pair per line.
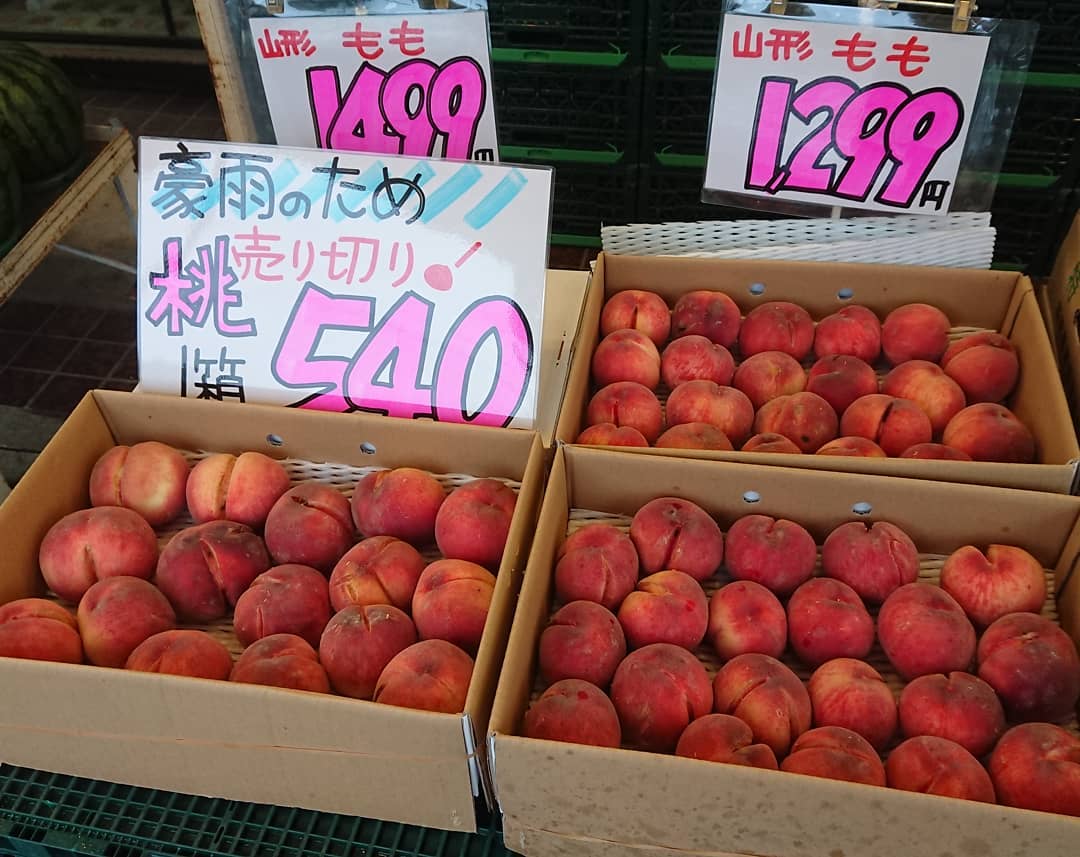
41,120
10,202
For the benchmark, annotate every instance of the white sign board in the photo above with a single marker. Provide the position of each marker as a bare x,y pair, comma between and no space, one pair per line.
385,84
342,281
841,115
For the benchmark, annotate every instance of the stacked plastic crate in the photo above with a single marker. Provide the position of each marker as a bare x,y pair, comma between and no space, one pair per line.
568,81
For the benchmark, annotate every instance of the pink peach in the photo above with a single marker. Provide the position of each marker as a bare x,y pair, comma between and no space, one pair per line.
242,488
925,384
915,332
287,599
359,642
584,641
777,326
705,402
635,309
827,620
989,432
1037,766
985,366
39,630
840,380
936,766
923,630
710,314
668,607
597,563
873,559
893,424
627,404
850,693
696,358
746,617
182,652
626,355
852,447
379,570
576,712
672,534
149,477
451,602
609,434
770,441
777,553
432,675
281,660
1004,580
119,613
853,330
769,374
726,739
765,695
835,753
806,418
403,503
694,436
959,707
473,523
310,525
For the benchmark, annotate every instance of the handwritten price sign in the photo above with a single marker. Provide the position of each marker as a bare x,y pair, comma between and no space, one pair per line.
378,83
839,115
341,281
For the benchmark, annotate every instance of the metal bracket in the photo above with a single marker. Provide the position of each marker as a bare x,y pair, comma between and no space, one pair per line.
275,7
777,7
962,10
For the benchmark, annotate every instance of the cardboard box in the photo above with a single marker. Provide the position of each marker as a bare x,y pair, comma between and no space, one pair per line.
246,742
565,799
1064,294
993,300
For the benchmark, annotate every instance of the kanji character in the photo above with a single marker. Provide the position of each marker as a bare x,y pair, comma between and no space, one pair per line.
296,42
783,42
349,273
855,49
182,177
310,259
408,263
256,254
910,55
228,384
749,48
247,187
410,40
212,286
171,303
366,42
269,47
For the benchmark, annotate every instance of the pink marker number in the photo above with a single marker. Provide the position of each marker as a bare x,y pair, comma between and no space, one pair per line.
859,136
774,103
920,131
498,319
805,170
404,98
456,103
384,376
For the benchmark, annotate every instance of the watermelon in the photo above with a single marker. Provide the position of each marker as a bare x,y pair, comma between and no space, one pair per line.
10,201
41,119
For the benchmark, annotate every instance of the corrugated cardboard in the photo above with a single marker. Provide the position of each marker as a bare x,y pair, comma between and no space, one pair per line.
239,741
1064,293
995,300
565,799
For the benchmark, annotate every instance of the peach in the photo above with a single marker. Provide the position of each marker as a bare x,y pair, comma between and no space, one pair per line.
935,452
637,310
403,503
777,553
93,544
696,358
770,441
658,691
451,602
840,380
850,693
668,607
989,432
985,366
915,332
705,402
609,434
576,712
583,641
39,630
149,477
1033,666
723,738
835,753
474,522
805,418
894,424
746,617
873,559
769,374
765,695
182,652
597,563
1004,580
204,569
240,488
626,355
852,331
1037,766
927,385
937,766
694,436
710,314
310,525
959,707
359,642
923,630
777,326
281,660
630,405
827,620
432,675
671,534
379,570
853,447
287,599
117,614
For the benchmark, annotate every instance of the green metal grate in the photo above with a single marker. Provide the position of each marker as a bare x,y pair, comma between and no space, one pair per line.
48,815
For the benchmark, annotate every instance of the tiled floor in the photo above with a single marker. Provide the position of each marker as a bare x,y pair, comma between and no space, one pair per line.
56,343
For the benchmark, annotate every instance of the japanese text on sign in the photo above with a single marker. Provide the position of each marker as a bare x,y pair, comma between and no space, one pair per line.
862,117
341,281
390,85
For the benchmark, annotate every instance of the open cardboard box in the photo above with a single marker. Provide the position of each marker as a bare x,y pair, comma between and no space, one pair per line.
992,300
1064,293
246,742
566,799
